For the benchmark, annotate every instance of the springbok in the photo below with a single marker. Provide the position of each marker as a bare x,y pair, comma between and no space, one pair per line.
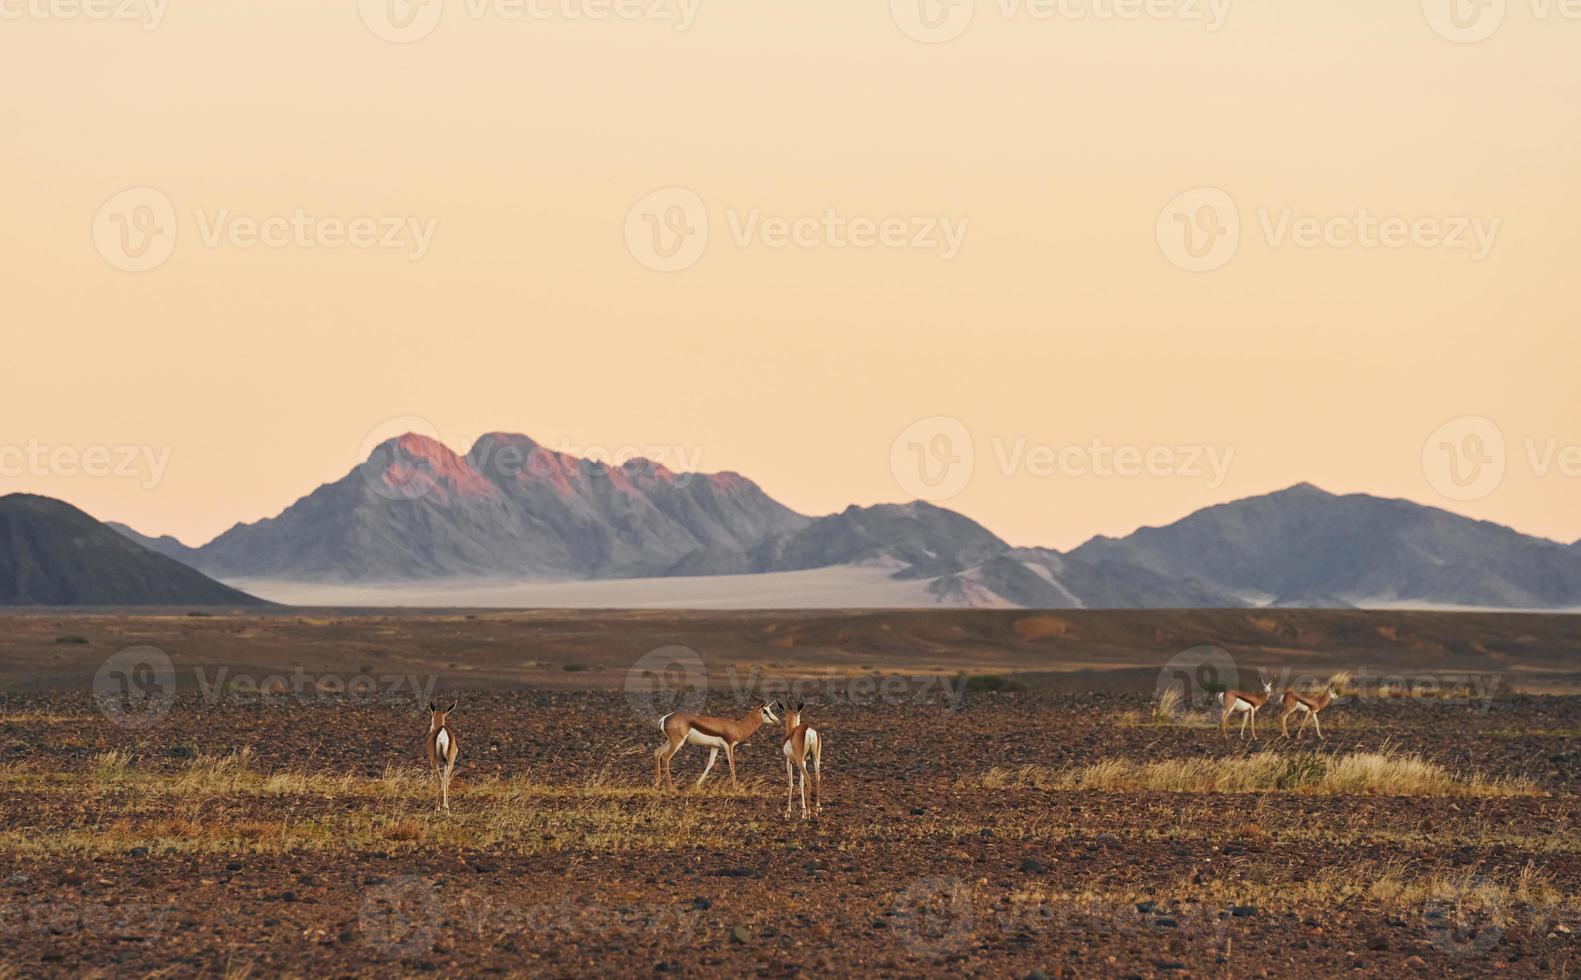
682,729
1243,702
442,748
1306,706
800,742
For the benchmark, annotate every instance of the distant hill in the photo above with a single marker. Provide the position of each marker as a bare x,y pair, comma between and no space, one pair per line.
1304,546
163,545
52,554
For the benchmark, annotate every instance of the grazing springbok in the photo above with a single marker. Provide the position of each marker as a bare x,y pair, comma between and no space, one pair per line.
682,729
442,748
1306,706
1243,702
800,742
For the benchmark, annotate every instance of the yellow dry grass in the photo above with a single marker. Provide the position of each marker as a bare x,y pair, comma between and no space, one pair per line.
227,804
1384,773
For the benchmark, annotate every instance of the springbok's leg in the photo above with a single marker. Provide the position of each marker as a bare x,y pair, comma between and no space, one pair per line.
712,755
1253,713
730,757
803,768
1245,717
1224,722
817,776
790,786
1319,725
669,755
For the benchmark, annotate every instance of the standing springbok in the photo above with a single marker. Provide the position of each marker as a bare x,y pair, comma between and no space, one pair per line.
800,742
1306,706
1243,701
442,748
682,729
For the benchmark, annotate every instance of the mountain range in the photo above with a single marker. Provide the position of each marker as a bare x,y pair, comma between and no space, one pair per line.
510,509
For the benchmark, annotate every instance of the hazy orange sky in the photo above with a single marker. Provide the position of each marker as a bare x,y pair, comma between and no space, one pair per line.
519,294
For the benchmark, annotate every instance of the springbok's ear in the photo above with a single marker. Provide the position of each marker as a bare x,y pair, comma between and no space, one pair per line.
801,703
432,707
452,705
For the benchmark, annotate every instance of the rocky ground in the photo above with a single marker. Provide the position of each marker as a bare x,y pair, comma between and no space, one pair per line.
295,834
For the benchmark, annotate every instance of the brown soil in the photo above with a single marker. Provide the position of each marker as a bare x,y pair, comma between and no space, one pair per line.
137,851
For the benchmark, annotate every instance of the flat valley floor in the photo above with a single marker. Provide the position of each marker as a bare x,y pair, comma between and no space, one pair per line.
1064,828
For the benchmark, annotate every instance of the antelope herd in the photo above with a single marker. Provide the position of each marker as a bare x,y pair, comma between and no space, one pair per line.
802,743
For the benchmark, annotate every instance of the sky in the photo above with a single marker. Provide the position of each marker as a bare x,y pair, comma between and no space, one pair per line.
1068,267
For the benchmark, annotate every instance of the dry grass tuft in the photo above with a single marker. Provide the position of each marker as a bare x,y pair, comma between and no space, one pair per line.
1168,704
1383,773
